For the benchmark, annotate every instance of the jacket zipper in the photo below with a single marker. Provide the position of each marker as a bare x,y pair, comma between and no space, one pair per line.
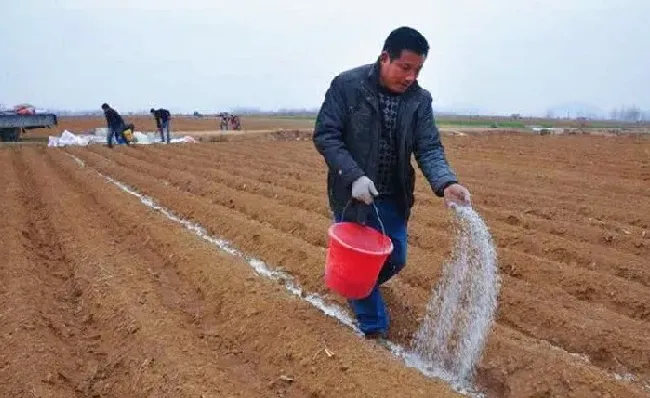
370,160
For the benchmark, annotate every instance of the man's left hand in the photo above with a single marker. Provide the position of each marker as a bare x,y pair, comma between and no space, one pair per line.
458,195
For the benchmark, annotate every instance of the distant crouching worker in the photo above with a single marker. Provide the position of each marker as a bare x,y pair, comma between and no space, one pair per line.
162,117
115,125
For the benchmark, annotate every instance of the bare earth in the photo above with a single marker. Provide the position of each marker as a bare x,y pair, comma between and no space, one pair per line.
207,128
102,296
84,124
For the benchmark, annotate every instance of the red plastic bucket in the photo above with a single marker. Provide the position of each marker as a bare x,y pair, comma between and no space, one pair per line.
355,255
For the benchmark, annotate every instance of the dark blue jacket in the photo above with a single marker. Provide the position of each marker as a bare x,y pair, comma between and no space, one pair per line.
347,132
162,116
114,120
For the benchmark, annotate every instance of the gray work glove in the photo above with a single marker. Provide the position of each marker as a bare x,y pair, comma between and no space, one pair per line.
363,189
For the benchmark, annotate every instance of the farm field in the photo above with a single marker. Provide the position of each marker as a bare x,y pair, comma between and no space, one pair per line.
206,129
84,124
104,296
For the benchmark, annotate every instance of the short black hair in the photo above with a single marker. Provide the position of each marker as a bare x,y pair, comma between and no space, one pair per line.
105,106
152,110
405,38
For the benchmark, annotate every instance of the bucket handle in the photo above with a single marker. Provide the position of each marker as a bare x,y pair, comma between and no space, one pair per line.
381,224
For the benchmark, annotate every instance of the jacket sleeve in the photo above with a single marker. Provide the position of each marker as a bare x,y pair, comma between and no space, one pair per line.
430,153
329,135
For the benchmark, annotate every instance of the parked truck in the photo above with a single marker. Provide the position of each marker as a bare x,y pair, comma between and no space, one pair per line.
13,124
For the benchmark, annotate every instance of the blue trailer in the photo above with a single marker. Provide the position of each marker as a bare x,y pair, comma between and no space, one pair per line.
12,125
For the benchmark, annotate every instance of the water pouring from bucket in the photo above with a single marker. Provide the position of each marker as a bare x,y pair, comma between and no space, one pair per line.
355,256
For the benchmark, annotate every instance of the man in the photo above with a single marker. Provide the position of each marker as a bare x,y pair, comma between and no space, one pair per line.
224,120
162,117
236,122
373,118
115,124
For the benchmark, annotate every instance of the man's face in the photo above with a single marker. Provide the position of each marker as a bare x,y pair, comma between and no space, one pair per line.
399,74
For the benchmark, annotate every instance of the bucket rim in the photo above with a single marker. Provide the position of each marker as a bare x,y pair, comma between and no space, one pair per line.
384,252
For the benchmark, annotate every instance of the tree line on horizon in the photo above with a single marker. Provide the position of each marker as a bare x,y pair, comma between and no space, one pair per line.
632,113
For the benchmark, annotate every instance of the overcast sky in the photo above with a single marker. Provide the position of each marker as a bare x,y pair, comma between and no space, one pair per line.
498,56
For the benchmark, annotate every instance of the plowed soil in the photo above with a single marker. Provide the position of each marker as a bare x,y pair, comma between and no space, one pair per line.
86,124
102,296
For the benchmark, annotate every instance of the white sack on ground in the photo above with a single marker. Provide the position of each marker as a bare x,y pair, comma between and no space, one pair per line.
70,139
67,139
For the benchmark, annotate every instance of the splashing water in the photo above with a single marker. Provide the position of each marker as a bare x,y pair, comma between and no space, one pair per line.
461,309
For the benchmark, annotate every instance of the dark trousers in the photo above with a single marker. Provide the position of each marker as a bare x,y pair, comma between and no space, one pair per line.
164,131
117,133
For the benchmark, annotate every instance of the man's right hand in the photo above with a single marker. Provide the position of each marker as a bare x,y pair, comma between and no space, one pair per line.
363,189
